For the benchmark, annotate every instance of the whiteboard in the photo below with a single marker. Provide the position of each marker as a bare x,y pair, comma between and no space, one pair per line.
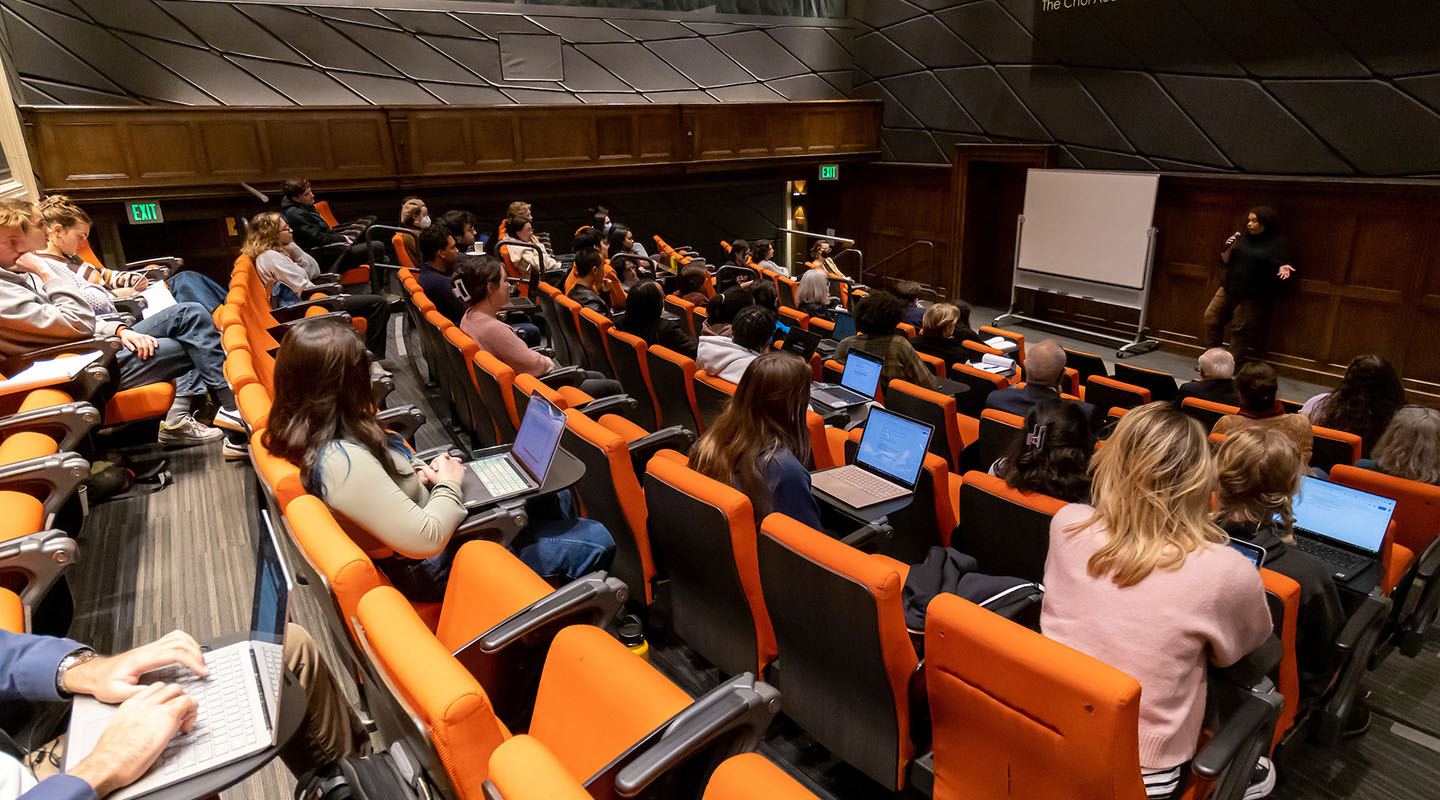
1085,226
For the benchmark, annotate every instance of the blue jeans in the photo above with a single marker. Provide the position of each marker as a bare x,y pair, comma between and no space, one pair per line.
188,352
193,287
556,543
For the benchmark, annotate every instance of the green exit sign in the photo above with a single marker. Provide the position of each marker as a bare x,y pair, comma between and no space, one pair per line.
143,213
829,172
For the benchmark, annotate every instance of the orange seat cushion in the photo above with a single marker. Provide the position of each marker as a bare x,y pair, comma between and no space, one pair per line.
751,775
44,398
142,402
26,444
20,515
12,613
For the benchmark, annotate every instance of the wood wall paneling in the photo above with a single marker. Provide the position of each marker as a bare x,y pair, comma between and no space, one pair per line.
231,147
887,207
166,150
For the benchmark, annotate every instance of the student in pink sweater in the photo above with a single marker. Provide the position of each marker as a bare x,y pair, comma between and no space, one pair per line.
483,280
1144,582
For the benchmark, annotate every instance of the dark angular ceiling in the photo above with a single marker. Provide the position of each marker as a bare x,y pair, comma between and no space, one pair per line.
1312,87
194,52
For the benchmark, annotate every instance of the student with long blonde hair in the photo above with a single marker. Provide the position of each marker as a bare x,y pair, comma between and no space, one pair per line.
1143,581
760,443
289,274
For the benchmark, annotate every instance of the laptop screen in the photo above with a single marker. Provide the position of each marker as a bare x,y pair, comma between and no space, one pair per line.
894,446
1343,514
862,373
844,325
801,342
539,436
272,585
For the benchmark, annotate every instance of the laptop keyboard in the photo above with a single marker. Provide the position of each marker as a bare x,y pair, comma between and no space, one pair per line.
498,477
1342,561
867,482
838,396
225,723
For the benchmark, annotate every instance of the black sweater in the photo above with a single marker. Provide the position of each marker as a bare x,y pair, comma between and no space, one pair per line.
1253,271
311,230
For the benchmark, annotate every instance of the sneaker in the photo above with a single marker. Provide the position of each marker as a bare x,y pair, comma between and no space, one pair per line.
1358,722
230,420
188,433
235,451
1262,781
378,371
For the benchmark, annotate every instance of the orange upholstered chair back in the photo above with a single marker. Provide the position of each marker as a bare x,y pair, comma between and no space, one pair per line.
847,680
611,495
1283,596
334,554
748,776
401,254
935,408
322,208
703,532
280,475
12,612
1018,715
1417,505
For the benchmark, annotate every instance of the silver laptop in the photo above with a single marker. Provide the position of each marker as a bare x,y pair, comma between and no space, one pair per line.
524,466
238,703
1343,527
857,383
892,452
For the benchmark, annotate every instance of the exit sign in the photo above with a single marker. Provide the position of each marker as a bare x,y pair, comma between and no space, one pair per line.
143,213
829,172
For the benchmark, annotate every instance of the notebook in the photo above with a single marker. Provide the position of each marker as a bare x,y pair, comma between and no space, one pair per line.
892,452
1341,526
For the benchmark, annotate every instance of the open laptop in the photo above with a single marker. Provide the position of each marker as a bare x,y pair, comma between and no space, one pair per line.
524,466
1341,526
801,342
892,451
844,325
857,383
238,703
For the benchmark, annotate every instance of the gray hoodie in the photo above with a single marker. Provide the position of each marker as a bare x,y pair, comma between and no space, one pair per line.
33,315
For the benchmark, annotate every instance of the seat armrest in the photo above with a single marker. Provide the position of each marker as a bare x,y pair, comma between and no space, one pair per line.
1372,613
429,455
298,309
504,521
327,277
1426,588
277,332
675,437
1353,648
42,557
862,538
563,376
547,351
66,423
622,404
109,347
326,289
381,387
404,420
1255,666
593,599
1239,739
134,306
122,318
727,720
51,479
171,264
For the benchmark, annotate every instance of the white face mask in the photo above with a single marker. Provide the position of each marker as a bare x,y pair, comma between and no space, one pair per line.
608,226
425,222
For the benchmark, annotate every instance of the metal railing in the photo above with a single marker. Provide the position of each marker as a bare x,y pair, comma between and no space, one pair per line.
929,263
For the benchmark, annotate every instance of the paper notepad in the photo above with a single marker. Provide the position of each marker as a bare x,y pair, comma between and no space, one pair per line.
1000,362
1001,343
157,299
49,372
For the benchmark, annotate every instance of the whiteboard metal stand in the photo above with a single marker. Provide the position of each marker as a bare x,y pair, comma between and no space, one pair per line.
1140,344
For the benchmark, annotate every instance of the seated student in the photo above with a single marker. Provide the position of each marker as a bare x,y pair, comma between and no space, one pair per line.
820,258
644,318
1044,369
727,357
592,285
398,509
721,309
726,279
1217,379
592,239
617,241
1367,397
942,330
437,271
690,284
519,208
760,443
414,218
601,217
875,321
813,295
41,305
1257,386
462,225
525,259
1053,457
1144,582
1410,446
1259,474
67,227
483,278
50,670
909,294
289,272
313,233
763,254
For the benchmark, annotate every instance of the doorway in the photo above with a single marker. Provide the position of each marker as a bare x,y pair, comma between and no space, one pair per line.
988,182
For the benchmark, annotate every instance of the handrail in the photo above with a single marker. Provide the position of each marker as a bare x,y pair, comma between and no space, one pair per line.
859,256
885,276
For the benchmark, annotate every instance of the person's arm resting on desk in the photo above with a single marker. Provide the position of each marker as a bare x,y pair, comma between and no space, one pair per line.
149,716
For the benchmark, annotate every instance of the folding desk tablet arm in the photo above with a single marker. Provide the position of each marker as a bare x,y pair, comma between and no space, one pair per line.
66,423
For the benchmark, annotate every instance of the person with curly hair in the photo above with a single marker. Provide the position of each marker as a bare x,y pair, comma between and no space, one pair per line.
1367,397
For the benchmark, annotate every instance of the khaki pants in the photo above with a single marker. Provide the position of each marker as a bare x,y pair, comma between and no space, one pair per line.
1247,321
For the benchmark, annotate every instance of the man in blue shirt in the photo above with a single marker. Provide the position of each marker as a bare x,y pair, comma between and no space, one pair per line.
437,278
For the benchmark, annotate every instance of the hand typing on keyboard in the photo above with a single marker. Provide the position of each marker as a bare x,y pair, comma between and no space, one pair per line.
117,678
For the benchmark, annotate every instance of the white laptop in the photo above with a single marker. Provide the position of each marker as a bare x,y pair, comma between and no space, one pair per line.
524,466
238,703
892,452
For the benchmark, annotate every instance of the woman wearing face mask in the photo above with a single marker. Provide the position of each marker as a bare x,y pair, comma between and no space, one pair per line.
414,217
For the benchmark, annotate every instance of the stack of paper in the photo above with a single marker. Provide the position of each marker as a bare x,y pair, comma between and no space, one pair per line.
1001,343
48,372
157,299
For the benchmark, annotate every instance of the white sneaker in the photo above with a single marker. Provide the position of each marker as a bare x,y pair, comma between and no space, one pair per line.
188,433
230,421
1262,781
235,451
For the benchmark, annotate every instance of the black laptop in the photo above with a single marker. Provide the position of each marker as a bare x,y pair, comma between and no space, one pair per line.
857,383
801,342
1341,526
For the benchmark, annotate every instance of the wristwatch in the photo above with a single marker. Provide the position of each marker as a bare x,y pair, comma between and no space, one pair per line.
78,657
